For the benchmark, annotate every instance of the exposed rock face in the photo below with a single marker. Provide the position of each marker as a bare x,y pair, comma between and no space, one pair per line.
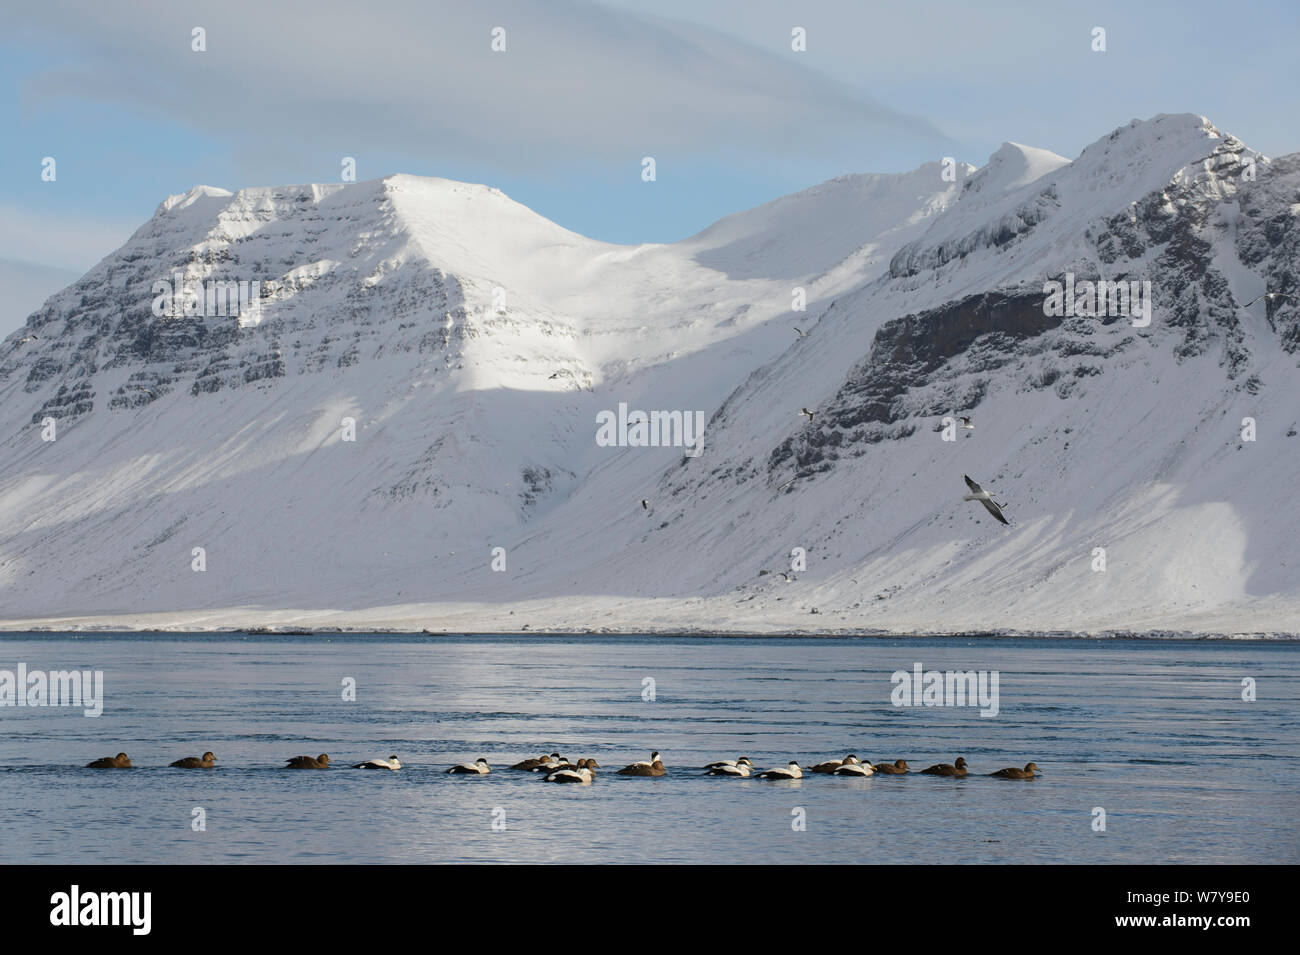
279,239
943,360
908,355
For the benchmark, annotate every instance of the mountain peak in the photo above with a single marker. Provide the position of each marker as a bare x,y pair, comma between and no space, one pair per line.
184,200
1014,165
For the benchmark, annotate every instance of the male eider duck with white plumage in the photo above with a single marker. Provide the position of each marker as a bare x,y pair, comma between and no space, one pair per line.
479,767
742,769
856,768
584,771
731,763
391,763
790,771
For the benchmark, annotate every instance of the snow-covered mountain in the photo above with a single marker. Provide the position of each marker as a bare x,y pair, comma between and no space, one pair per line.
476,345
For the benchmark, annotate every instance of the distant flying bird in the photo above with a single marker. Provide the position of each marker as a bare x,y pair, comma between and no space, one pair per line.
787,484
645,504
805,411
979,494
1268,295
966,423
786,577
554,376
800,332
28,339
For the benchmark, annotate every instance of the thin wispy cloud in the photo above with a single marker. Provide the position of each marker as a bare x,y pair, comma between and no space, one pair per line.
578,81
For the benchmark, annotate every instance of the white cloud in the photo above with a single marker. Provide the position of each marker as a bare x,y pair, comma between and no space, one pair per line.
578,81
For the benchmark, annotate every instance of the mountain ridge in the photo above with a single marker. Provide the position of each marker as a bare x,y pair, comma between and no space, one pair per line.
474,343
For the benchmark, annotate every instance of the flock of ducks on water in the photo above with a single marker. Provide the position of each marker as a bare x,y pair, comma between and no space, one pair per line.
556,769
850,765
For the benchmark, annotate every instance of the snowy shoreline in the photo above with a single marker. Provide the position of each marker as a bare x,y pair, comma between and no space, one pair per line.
68,627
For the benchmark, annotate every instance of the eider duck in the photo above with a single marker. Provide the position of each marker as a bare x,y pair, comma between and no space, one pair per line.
196,762
947,769
833,764
308,762
583,772
859,768
530,764
653,768
791,771
392,762
738,768
548,763
654,755
1030,771
897,768
742,761
120,761
479,767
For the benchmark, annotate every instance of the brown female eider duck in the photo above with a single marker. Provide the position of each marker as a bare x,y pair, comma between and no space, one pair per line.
196,762
548,763
479,767
120,761
653,767
833,764
392,762
309,762
1030,771
654,756
897,768
947,769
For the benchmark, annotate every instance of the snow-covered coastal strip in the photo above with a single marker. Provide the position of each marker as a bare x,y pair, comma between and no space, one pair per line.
664,617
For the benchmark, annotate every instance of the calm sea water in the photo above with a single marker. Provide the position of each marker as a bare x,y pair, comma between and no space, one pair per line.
1153,732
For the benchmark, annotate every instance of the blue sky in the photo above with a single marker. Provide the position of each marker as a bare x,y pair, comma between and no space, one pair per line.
561,119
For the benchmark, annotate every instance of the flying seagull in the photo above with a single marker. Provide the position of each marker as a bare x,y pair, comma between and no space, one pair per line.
554,376
1268,295
967,423
800,332
645,504
978,493
808,413
787,483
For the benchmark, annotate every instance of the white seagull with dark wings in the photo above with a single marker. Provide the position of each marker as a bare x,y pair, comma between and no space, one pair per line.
978,493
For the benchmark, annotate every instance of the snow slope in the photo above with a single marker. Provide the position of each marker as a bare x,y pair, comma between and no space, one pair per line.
474,343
